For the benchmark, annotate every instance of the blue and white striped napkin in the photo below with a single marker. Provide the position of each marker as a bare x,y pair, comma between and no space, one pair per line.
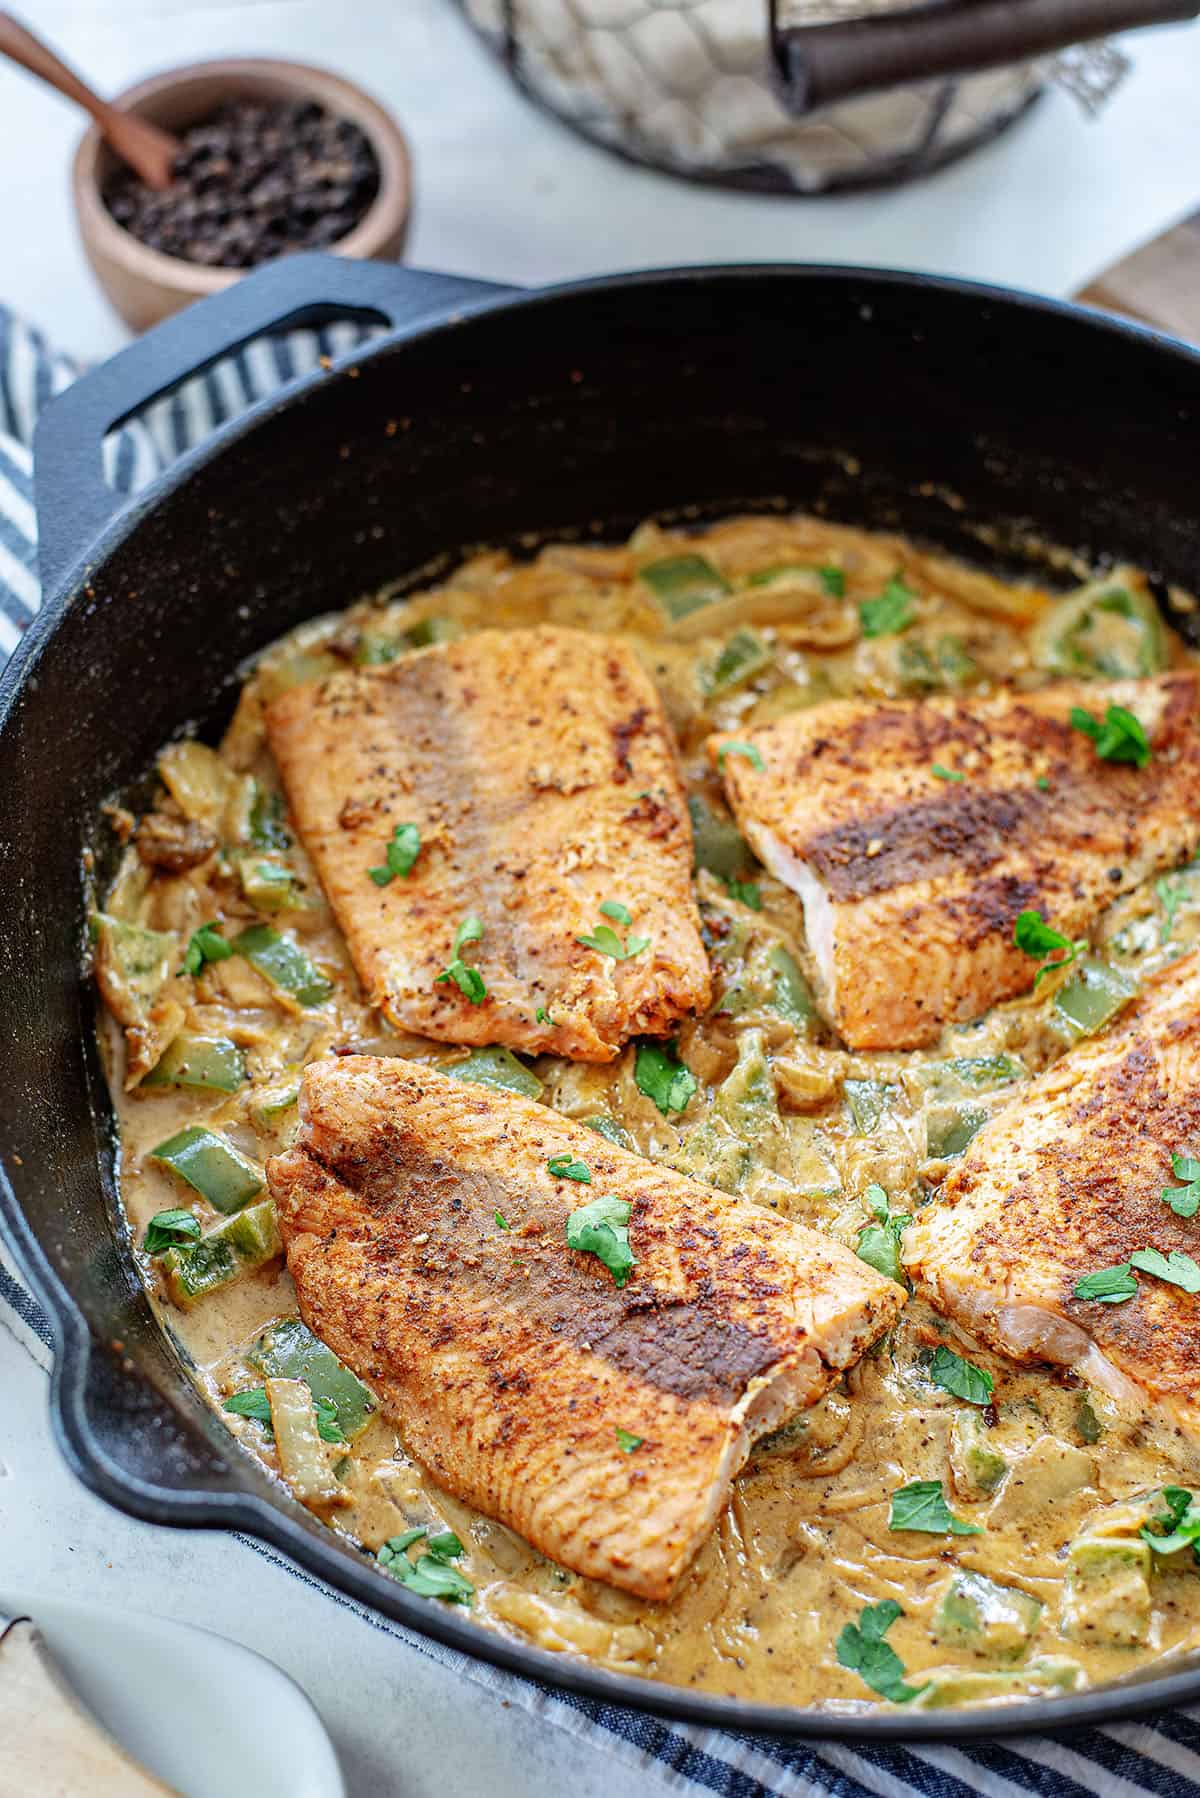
1127,1760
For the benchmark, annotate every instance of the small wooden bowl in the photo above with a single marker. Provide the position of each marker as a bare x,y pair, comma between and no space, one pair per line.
146,286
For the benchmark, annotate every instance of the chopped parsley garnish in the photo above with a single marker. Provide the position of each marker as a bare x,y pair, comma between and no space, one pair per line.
166,1228
205,944
1177,1269
431,1575
445,1546
627,1441
253,1403
400,855
890,612
620,914
940,773
879,1243
1178,1526
1171,895
961,1377
564,1167
862,1649
746,892
541,1015
833,580
1184,1200
502,1222
1108,1286
661,1076
396,1545
605,941
602,1229
921,1505
747,749
1042,783
1032,934
1120,738
469,981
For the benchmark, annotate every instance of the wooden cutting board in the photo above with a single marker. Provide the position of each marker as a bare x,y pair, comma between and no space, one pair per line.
1158,283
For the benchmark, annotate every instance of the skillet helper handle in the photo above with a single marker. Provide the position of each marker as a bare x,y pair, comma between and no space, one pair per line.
74,503
816,65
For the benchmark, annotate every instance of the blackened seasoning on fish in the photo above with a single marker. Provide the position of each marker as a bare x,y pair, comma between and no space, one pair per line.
253,181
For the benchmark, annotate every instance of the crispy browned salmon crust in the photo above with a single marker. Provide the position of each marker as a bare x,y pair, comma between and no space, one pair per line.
1068,1180
539,770
912,881
510,1361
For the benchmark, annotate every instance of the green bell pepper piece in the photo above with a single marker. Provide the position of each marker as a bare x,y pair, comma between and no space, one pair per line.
946,1687
978,1465
792,997
498,1068
744,1111
868,1100
611,1131
373,651
140,960
1103,628
1093,996
273,1103
980,1614
744,656
946,1078
949,1129
432,630
269,886
288,1350
717,844
682,584
211,1166
282,962
235,1246
831,580
1107,1597
210,1063
267,814
926,668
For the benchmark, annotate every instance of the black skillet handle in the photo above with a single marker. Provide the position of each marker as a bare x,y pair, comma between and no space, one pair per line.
74,503
818,64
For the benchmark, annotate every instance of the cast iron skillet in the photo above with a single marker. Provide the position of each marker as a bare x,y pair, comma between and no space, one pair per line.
482,416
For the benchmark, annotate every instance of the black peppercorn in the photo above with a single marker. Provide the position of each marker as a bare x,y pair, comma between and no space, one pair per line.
252,182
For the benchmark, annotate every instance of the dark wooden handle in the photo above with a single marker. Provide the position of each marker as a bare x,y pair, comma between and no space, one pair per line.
818,64
20,45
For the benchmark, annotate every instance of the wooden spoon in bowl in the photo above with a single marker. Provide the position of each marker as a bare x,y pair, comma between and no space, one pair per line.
149,151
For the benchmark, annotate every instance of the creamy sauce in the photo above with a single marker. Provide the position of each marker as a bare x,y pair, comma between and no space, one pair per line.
805,1542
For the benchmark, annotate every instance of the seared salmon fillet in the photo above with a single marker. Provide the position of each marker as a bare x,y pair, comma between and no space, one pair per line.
538,770
912,879
426,1236
1068,1181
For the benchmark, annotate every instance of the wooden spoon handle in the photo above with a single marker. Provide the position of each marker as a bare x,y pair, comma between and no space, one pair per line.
147,148
19,44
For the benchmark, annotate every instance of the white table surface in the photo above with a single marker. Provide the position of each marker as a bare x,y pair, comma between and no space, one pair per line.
502,192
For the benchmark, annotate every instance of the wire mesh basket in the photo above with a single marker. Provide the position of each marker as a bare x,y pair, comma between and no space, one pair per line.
805,96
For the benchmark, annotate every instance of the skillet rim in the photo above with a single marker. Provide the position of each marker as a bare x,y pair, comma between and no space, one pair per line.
275,1521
